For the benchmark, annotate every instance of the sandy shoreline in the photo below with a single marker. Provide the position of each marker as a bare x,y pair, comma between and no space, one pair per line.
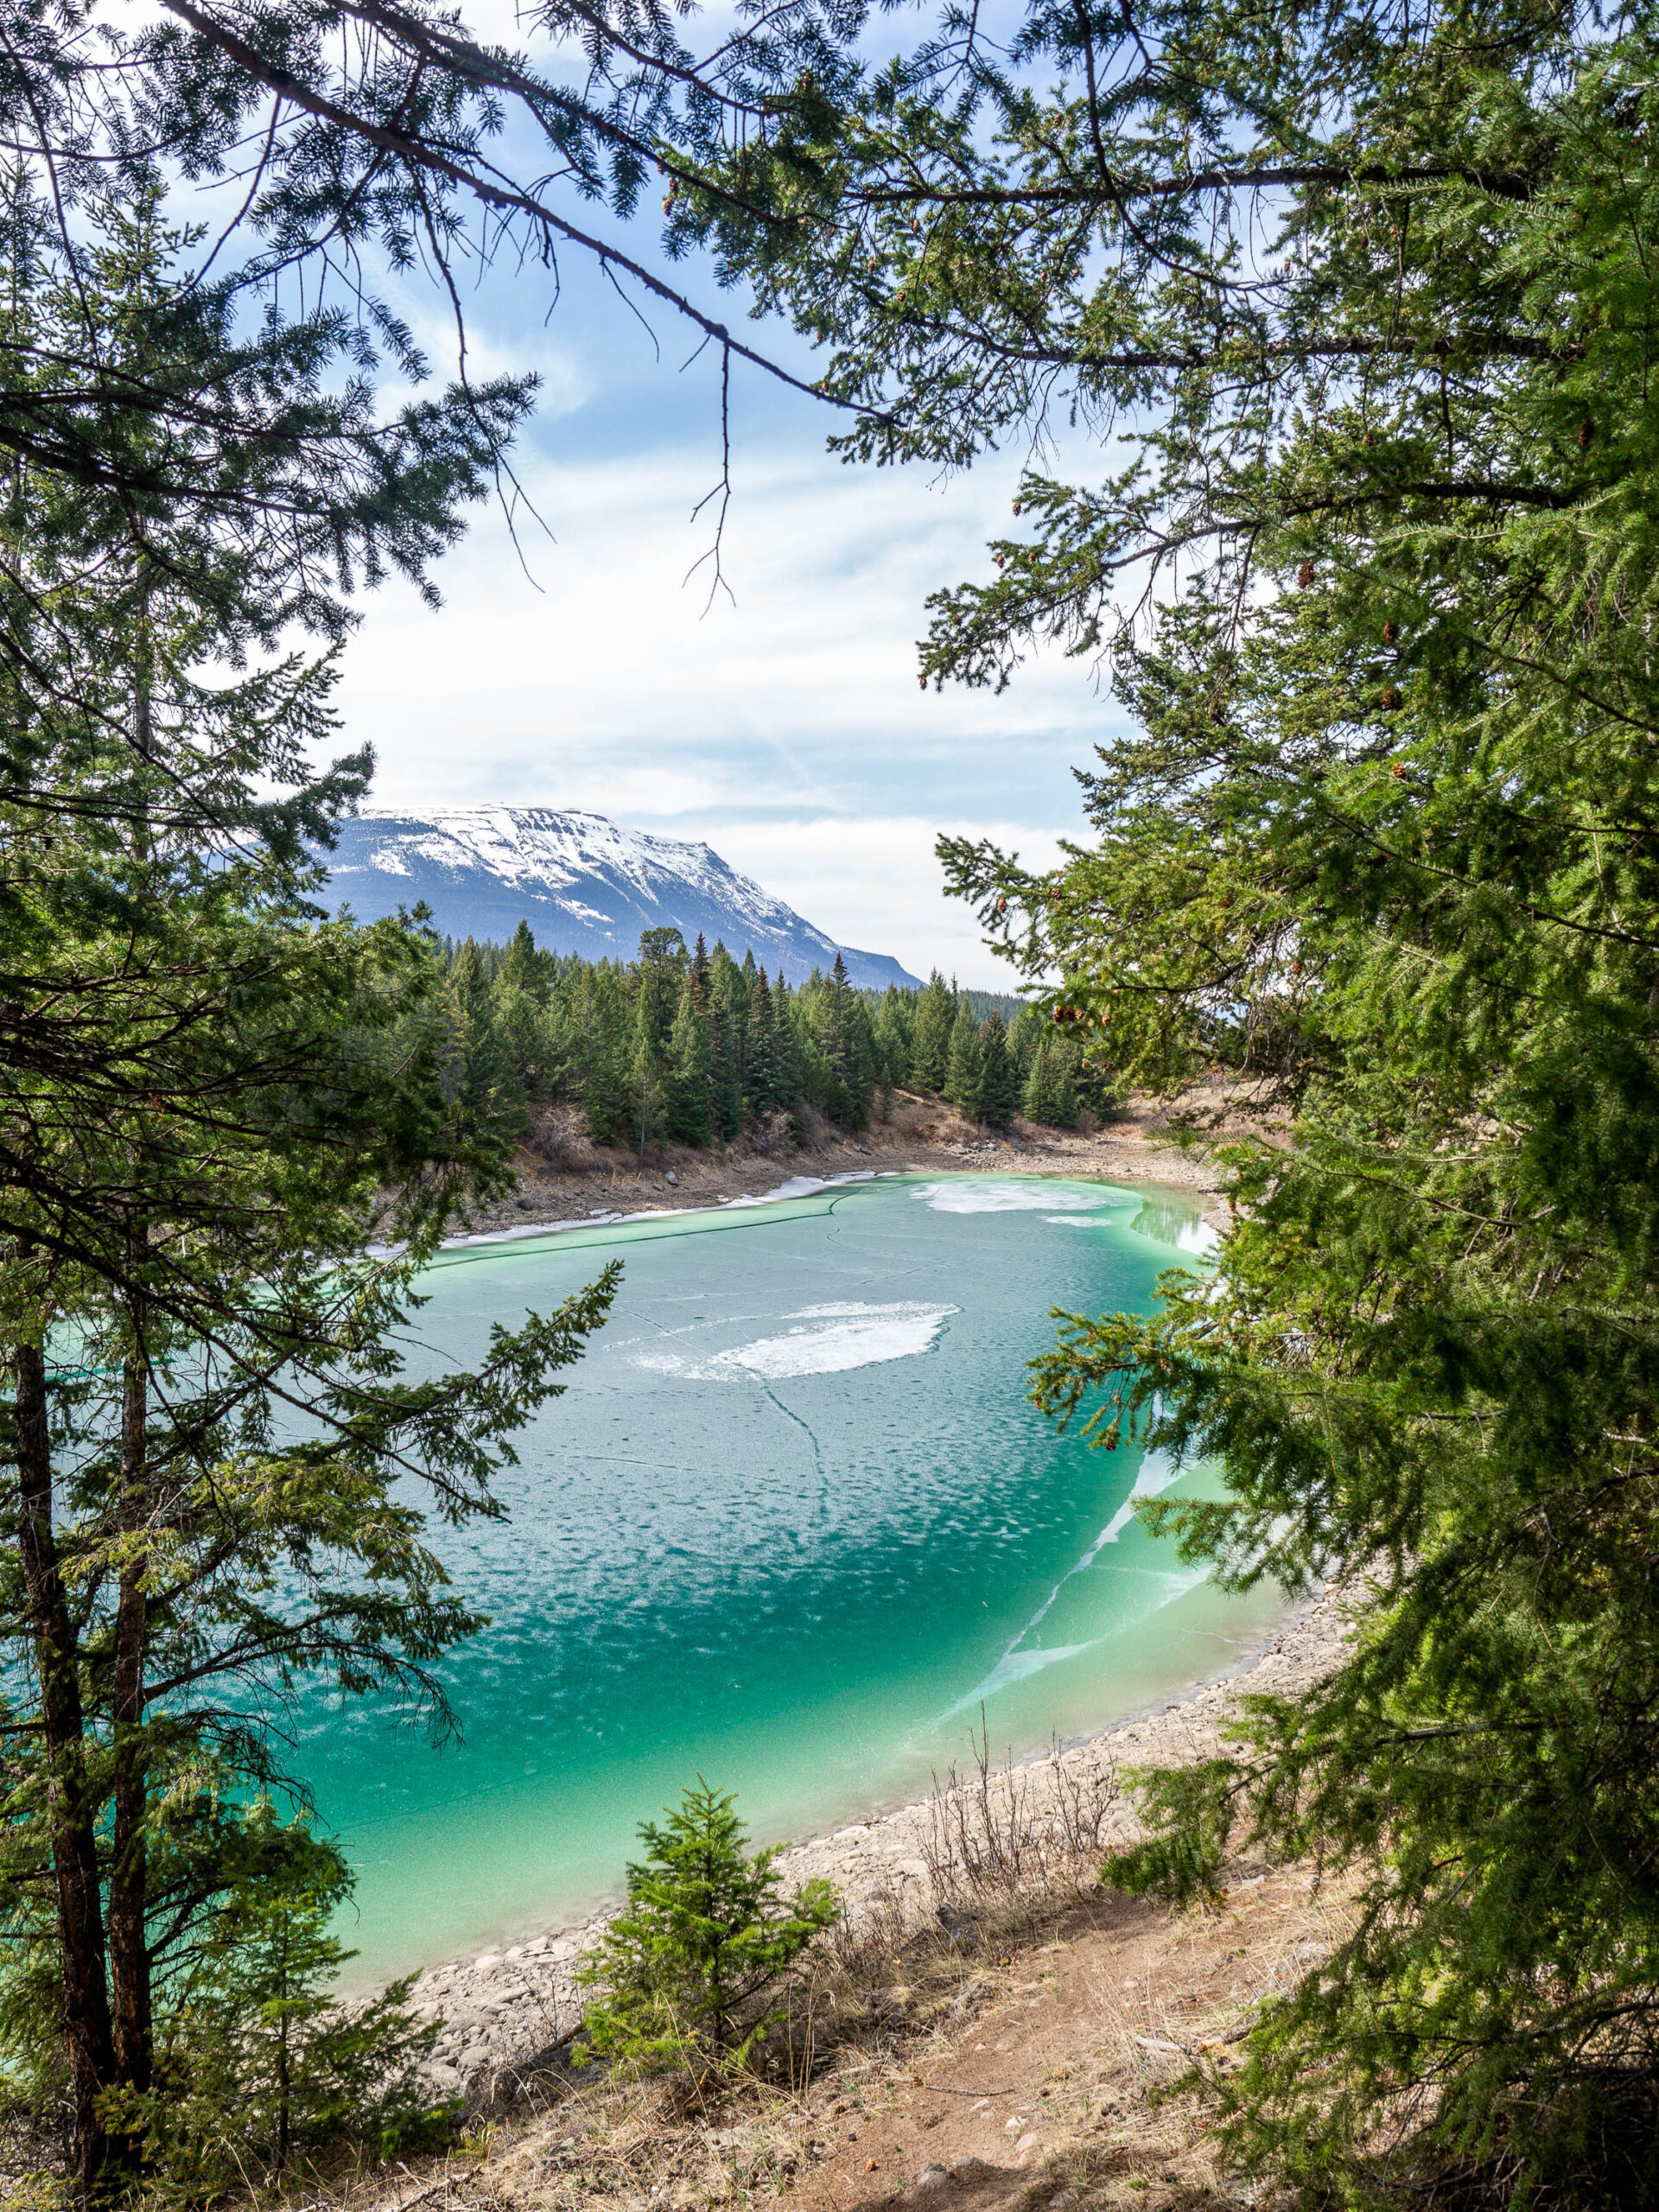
502,2007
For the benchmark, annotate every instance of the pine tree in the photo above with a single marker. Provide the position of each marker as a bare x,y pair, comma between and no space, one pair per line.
603,1051
840,1029
523,967
999,1095
690,1088
730,999
964,1067
1373,836
1049,1095
767,1083
932,1034
647,1069
263,2033
892,1029
488,1077
687,1968
254,1109
1027,1031
791,1046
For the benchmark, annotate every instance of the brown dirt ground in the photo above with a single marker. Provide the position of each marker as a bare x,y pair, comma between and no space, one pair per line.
1030,2066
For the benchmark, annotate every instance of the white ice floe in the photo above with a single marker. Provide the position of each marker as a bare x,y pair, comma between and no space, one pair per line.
796,1186
1015,1666
804,1186
989,1194
829,1340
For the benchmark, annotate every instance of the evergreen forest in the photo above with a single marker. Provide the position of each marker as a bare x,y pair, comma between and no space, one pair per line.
1319,340
695,1047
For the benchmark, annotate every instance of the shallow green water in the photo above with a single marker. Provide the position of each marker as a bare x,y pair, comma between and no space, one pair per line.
791,1523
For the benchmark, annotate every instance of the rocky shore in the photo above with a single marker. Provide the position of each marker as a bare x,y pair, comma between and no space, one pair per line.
564,1179
505,2009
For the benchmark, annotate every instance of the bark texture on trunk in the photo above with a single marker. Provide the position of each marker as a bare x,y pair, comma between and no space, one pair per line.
70,1809
128,1950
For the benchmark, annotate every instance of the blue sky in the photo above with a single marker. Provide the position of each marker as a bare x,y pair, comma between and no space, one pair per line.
787,729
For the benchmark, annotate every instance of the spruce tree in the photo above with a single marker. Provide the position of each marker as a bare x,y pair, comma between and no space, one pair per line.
1050,1095
647,1069
688,1969
224,1178
602,1038
523,967
791,1046
1371,304
840,1030
261,2037
932,1034
964,1072
767,1080
730,1000
1027,1032
999,1095
689,1085
894,1030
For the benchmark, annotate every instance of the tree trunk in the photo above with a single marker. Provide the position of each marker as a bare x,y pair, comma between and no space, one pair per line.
284,2083
70,1811
129,1951
128,1872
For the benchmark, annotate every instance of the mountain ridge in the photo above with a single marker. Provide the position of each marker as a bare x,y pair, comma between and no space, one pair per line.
583,884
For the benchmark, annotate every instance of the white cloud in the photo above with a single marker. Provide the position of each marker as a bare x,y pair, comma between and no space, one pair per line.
608,659
877,884
788,731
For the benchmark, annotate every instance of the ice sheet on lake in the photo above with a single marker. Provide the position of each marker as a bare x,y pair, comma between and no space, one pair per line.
988,1194
1157,1471
829,1340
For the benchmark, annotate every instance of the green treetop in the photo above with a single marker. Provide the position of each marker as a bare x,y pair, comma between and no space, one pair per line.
965,1071
691,1053
999,1089
686,1969
931,1034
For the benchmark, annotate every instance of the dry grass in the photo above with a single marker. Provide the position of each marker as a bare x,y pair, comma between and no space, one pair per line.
1009,2039
1016,1835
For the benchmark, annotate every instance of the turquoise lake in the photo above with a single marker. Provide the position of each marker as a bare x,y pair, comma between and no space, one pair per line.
791,1523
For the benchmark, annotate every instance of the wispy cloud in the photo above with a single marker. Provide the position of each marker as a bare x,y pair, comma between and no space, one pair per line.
787,729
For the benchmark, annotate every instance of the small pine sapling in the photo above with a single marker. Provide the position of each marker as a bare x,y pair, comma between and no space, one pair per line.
707,1935
261,2032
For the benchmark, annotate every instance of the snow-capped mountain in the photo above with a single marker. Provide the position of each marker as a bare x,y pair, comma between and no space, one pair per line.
583,884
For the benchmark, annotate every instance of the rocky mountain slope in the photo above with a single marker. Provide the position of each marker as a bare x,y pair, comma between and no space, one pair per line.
583,884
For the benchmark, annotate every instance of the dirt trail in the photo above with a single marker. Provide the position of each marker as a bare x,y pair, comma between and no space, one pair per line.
1035,2068
1046,2091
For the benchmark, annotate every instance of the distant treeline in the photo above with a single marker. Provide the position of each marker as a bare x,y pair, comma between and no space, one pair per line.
695,1046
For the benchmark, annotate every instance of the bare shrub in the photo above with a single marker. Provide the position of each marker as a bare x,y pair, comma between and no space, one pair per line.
769,1134
555,1136
863,1946
1016,1834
